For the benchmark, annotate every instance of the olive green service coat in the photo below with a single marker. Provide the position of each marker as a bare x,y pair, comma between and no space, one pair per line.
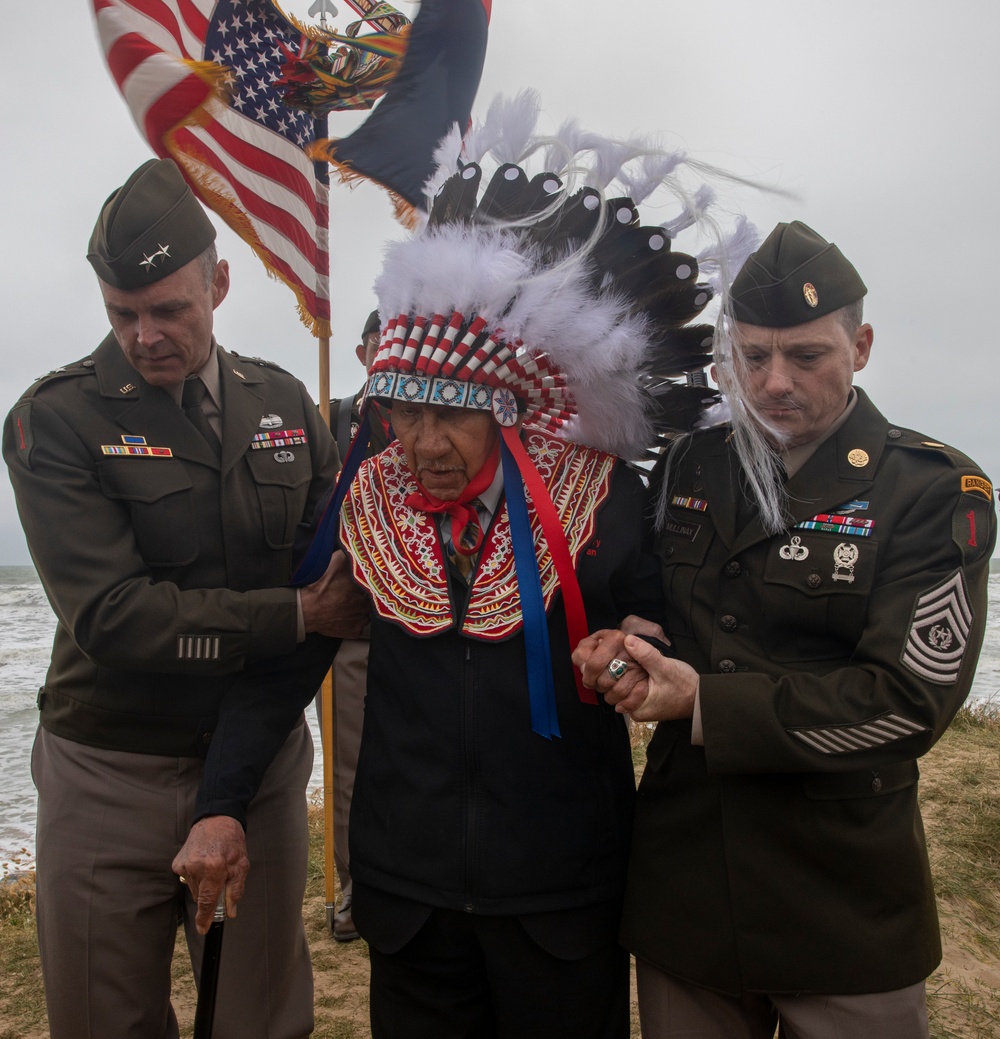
167,571
787,854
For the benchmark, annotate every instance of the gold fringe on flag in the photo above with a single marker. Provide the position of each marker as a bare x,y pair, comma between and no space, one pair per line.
403,211
213,193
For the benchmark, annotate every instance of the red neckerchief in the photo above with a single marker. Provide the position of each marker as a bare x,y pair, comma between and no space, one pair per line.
462,510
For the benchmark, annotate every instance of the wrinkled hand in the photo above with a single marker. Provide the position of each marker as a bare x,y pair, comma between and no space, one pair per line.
214,856
593,655
334,605
658,688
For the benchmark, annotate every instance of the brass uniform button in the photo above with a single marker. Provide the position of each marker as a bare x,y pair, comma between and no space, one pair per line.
727,666
733,569
728,623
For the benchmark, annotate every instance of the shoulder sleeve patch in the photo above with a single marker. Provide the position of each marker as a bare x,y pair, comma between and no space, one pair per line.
939,629
972,524
20,423
980,484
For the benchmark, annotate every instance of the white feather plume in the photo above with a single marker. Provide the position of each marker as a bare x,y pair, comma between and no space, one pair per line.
560,149
446,156
720,261
609,158
517,120
653,171
693,211
483,137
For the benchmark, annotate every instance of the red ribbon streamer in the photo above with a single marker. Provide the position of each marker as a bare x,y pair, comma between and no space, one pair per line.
555,537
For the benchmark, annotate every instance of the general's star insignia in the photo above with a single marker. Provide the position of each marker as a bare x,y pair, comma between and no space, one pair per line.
149,262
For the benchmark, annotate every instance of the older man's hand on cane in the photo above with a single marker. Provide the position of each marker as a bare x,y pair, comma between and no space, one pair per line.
213,857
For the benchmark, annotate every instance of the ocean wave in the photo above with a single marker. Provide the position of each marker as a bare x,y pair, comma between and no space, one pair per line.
23,596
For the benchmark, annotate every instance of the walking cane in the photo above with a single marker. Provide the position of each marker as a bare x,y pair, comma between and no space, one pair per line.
208,983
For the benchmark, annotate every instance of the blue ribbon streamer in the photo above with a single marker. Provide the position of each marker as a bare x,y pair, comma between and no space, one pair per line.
541,685
324,542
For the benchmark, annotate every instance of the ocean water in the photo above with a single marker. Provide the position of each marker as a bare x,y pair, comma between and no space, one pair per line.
26,627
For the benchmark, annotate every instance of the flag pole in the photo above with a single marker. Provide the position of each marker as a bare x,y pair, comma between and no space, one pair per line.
327,720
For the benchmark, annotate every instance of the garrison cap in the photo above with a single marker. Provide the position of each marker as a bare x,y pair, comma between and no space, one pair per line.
150,227
372,324
794,277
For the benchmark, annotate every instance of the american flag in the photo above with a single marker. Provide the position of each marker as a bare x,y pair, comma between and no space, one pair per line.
199,78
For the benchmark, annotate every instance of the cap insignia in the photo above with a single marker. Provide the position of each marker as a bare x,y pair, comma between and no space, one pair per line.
149,262
810,294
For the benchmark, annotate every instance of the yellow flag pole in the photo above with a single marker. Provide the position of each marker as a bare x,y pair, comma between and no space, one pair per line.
327,721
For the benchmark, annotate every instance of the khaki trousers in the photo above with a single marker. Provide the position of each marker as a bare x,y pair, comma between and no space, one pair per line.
672,1009
109,825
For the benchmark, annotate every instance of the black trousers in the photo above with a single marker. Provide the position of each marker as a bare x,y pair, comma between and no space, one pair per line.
465,976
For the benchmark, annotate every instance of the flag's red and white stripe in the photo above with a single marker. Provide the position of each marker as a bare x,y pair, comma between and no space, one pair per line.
243,157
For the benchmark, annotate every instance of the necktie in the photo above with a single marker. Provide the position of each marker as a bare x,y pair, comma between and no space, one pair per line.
191,402
463,555
462,512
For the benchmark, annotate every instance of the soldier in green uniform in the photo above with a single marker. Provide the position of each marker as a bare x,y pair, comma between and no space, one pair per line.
162,482
778,868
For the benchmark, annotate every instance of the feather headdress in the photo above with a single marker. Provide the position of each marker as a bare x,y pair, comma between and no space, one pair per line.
541,295
546,286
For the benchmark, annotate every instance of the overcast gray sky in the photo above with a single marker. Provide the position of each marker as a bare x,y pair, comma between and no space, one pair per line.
882,115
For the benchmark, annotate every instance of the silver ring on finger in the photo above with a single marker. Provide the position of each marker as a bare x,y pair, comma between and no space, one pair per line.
617,668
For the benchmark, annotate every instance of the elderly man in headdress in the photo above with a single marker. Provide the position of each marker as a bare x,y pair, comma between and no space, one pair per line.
827,634
493,796
161,481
